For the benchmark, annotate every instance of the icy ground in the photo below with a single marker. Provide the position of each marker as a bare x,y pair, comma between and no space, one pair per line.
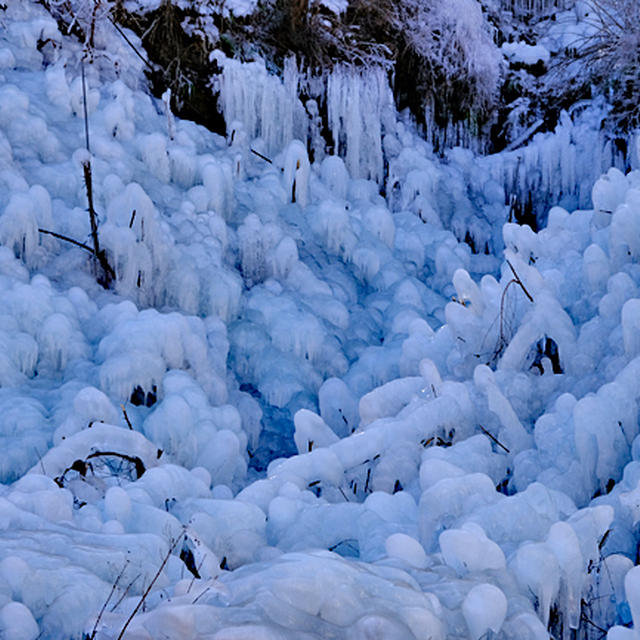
305,411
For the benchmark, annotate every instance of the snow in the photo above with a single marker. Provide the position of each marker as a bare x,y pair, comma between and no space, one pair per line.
469,549
17,622
403,547
337,6
525,53
318,399
484,609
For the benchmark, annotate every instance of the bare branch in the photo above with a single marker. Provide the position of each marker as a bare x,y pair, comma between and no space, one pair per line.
114,586
126,39
490,435
67,239
174,544
518,281
126,417
257,153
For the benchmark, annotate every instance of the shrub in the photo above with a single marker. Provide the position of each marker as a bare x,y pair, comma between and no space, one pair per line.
608,55
447,67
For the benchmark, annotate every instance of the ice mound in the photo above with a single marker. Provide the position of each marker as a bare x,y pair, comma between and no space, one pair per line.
305,409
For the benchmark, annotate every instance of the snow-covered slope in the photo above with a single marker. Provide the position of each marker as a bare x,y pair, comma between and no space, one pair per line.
303,410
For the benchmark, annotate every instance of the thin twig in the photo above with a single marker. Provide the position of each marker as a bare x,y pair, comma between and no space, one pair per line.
502,340
366,484
40,459
108,274
68,239
126,417
135,50
84,104
93,217
194,575
200,596
134,460
174,544
257,153
92,33
584,617
133,218
487,433
124,593
114,586
518,281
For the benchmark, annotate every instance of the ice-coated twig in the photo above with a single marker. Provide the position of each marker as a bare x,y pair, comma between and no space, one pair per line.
40,459
84,107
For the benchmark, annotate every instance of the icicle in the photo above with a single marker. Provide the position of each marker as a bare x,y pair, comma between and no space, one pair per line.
296,173
252,250
356,103
171,123
267,106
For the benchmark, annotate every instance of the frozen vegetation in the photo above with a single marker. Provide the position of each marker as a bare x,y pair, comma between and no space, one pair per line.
304,410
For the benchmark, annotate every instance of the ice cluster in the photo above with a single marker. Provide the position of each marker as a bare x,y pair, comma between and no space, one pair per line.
304,409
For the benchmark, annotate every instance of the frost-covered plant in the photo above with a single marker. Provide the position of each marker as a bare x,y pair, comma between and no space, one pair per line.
616,51
608,52
455,45
446,65
77,17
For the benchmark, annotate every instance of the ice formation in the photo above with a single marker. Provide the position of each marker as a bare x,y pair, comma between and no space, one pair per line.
305,410
267,107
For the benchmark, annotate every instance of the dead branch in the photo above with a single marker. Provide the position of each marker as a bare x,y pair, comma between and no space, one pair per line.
124,593
114,586
84,106
516,279
490,435
67,239
200,595
126,39
108,274
92,31
257,153
174,544
126,417
83,466
137,462
502,341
